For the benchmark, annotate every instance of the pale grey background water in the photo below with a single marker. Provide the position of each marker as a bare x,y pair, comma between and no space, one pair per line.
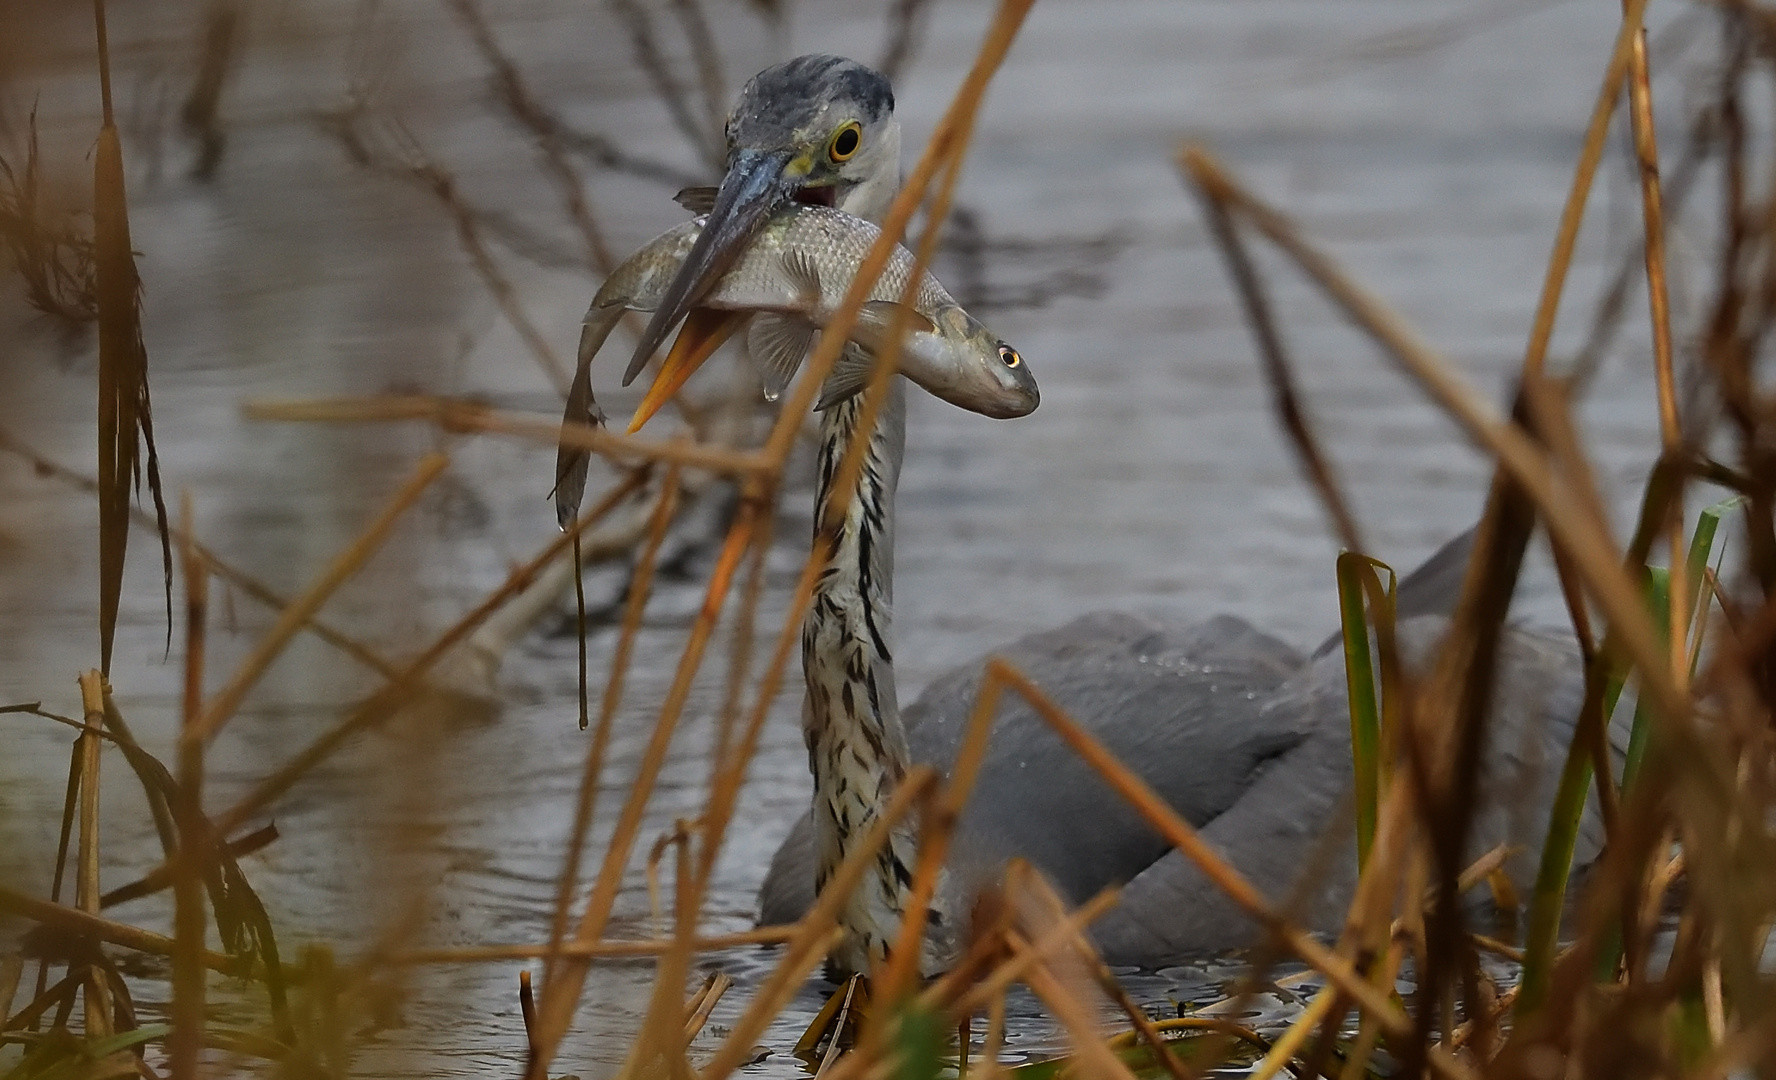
1429,144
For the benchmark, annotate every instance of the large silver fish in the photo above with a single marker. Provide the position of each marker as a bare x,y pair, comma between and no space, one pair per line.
789,283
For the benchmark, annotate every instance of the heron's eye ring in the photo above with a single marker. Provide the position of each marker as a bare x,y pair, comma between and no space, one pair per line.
1009,356
845,142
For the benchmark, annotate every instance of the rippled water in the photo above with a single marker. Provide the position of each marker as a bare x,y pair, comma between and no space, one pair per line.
1429,144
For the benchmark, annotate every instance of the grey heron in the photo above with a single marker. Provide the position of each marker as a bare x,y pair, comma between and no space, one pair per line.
1246,738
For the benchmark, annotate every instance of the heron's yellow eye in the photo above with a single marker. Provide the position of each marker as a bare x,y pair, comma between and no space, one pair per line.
1009,356
845,142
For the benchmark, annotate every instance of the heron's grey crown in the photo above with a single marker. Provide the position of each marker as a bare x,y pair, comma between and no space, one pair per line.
779,100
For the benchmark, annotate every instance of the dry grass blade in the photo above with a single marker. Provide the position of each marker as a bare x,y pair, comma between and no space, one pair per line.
86,882
593,770
1279,372
187,1013
934,844
1646,152
1593,554
457,415
75,921
475,954
1076,1016
227,700
386,702
126,424
213,563
563,988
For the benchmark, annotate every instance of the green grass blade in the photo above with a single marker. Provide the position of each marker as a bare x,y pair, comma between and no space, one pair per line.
1357,574
1549,895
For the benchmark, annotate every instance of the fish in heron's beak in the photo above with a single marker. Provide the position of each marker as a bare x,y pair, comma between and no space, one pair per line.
757,183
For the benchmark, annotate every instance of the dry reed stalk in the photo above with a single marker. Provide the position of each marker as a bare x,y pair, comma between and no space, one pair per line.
1356,1062
818,930
75,921
1160,816
1646,152
387,701
222,707
606,949
86,882
740,652
561,992
185,1043
593,769
1279,373
162,876
727,775
12,970
1041,893
1095,1058
527,1009
1572,215
937,825
1593,554
1283,1050
459,415
214,563
887,361
963,999
995,1040
704,1001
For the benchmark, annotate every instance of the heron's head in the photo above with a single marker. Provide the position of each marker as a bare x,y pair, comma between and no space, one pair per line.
816,129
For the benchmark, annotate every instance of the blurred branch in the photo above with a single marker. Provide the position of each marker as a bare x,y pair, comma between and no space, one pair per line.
707,142
412,164
906,25
523,107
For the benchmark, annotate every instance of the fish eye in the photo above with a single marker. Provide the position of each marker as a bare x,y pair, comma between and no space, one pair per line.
1009,356
845,142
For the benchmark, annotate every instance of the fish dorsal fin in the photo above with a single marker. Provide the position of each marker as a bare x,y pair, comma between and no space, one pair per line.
802,274
849,375
876,319
780,343
698,200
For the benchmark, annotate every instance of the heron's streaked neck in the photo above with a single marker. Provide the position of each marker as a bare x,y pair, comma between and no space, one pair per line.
856,745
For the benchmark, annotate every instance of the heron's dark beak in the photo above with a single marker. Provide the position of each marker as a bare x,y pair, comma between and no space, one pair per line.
758,182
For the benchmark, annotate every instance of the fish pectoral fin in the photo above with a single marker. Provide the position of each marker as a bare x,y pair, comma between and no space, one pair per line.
698,200
875,321
850,374
802,274
780,343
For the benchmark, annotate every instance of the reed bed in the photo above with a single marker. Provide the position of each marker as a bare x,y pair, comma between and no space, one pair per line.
1653,964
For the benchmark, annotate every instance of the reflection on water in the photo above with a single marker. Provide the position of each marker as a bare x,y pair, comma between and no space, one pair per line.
1429,144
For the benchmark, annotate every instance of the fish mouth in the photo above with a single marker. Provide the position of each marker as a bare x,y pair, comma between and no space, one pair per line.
757,183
